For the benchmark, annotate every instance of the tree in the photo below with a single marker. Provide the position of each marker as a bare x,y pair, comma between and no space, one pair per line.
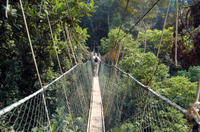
18,75
113,45
192,73
178,89
153,38
188,36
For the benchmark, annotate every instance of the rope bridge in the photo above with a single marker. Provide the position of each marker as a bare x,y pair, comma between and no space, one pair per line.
131,106
127,105
29,113
66,104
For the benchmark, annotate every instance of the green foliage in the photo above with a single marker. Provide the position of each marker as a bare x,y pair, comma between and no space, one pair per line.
129,107
192,73
178,89
154,36
18,75
112,41
110,14
141,65
179,126
59,120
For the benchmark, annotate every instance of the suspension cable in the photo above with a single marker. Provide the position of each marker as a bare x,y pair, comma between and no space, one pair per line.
155,65
120,44
123,17
54,43
70,43
145,37
179,108
68,50
7,8
35,63
140,19
76,40
161,38
61,71
176,39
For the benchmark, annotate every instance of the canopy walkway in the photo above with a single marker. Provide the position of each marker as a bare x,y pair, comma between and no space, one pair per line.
73,104
77,101
96,120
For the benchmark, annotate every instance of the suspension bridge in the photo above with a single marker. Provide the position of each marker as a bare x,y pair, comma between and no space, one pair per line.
79,101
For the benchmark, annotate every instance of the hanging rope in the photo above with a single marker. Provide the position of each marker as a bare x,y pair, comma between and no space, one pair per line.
83,49
141,18
68,106
68,32
193,112
156,61
159,47
61,71
7,8
176,39
145,41
54,43
123,17
70,43
198,91
120,43
76,40
68,50
35,63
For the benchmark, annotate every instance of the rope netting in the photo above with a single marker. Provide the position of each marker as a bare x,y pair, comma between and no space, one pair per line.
131,106
66,114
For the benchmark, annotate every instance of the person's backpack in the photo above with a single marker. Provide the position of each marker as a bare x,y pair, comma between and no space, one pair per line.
96,59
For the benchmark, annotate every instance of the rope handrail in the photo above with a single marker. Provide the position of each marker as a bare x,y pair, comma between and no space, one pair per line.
176,106
35,62
14,105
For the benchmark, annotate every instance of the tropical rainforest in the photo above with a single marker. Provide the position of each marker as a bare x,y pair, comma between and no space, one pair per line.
161,49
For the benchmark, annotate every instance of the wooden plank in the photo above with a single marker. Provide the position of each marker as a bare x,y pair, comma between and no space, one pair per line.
96,118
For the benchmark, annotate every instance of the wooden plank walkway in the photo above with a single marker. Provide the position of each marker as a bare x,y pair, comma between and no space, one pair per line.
96,121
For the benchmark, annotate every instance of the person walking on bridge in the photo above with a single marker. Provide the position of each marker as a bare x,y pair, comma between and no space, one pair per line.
96,60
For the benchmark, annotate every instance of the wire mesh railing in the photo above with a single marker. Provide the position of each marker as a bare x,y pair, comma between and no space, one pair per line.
66,114
131,106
